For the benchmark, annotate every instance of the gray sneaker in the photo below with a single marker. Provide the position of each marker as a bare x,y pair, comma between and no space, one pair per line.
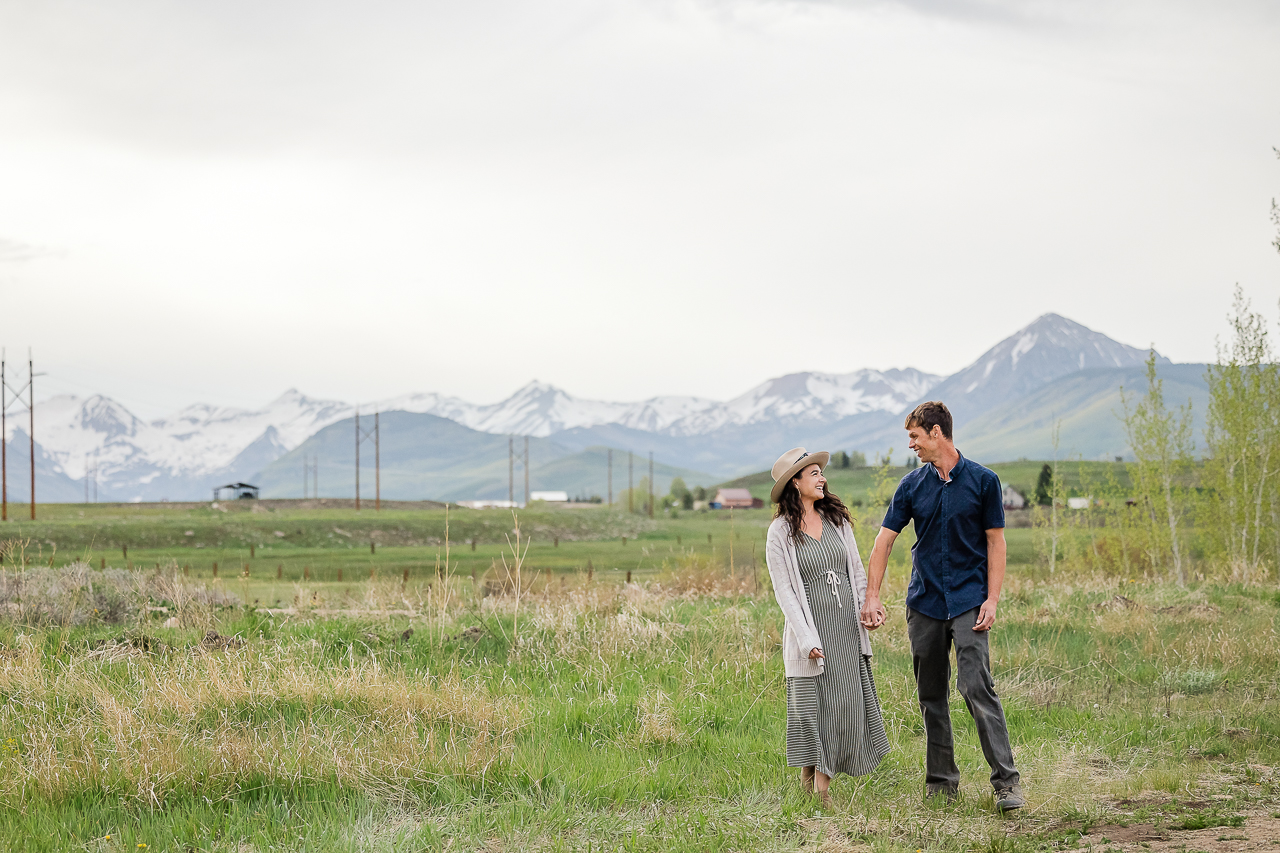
1008,799
938,792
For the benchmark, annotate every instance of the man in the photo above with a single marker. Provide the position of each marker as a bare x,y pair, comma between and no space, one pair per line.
958,567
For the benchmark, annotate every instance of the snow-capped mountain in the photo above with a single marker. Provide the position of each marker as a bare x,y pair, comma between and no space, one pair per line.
824,396
181,455
540,410
199,440
1050,348
204,438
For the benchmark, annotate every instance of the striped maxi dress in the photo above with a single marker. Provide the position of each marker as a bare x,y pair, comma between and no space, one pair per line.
833,719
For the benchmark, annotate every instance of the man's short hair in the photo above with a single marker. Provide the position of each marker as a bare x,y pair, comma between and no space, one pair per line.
931,414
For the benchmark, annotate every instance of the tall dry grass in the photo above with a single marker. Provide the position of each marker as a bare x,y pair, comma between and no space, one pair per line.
78,594
648,707
147,726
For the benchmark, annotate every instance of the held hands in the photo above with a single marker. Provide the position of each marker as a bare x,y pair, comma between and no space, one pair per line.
986,616
873,613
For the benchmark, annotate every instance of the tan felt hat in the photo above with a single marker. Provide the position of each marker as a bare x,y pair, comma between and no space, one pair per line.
791,463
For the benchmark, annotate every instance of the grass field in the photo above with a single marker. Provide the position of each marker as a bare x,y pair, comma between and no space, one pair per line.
586,714
329,546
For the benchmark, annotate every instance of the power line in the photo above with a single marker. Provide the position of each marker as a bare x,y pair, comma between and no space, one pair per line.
651,484
365,435
29,390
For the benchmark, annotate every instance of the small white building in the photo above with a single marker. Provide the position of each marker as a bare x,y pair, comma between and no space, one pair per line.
550,497
488,504
1012,498
1079,503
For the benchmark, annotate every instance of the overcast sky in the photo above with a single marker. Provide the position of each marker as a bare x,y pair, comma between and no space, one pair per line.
216,201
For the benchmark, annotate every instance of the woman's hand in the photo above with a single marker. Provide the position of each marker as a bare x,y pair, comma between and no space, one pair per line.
873,613
815,653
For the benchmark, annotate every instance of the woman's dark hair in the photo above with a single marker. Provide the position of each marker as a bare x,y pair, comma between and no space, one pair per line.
791,508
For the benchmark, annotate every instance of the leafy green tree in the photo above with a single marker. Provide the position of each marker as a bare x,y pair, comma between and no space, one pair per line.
686,501
1044,485
637,498
885,482
840,459
857,459
1048,524
699,493
1160,439
1243,427
678,488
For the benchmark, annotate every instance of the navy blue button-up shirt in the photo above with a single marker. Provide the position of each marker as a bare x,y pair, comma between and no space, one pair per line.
949,559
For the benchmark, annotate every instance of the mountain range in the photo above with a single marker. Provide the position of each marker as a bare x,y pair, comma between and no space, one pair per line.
1004,404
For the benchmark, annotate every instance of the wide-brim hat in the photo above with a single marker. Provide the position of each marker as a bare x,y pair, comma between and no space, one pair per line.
791,463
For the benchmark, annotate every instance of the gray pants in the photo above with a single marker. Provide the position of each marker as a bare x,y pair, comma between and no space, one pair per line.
931,641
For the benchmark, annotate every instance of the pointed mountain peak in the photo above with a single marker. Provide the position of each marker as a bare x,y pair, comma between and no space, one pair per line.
294,397
534,388
1065,329
1049,347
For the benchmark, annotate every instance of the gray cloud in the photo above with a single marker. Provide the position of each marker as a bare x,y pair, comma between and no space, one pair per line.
464,192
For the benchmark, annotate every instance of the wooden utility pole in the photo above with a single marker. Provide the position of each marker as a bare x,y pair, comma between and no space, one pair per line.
651,484
526,470
29,388
362,436
631,488
611,477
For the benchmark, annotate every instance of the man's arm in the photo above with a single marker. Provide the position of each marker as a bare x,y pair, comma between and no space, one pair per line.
995,578
873,612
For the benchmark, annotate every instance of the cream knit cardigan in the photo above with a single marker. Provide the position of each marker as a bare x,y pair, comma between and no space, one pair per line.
800,636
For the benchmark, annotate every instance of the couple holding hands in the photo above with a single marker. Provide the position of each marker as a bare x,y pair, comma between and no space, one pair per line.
831,604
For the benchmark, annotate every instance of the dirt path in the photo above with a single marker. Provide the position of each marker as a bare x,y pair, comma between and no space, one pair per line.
1261,831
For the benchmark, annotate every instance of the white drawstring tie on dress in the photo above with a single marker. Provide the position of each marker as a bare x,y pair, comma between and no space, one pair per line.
833,581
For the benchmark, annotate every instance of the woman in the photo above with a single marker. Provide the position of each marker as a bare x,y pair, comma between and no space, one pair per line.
833,715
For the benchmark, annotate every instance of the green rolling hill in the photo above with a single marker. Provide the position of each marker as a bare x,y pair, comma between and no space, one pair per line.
429,457
1089,407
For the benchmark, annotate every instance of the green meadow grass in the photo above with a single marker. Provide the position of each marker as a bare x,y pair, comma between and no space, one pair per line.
319,543
598,715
